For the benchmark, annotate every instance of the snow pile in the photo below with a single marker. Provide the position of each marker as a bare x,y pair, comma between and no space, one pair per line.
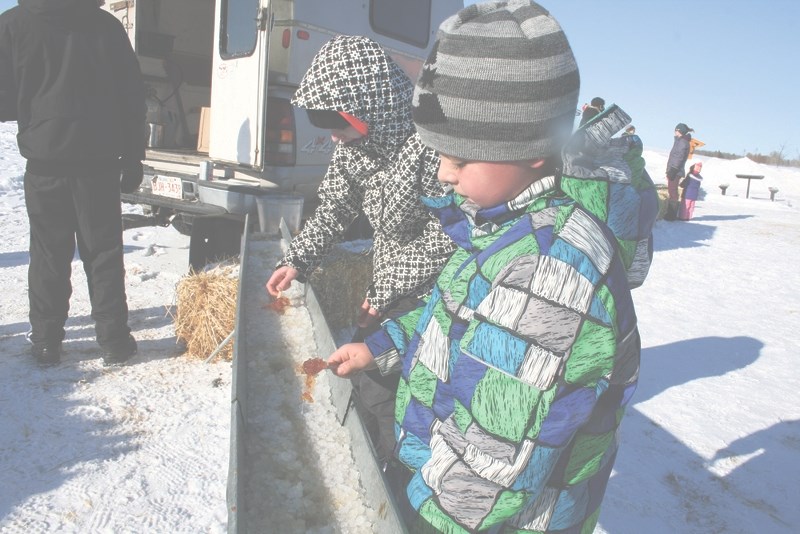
718,172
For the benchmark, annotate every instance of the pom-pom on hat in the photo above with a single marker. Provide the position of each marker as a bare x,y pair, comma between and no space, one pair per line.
500,84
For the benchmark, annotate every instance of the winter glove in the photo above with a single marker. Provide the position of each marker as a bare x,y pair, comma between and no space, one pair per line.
606,175
674,173
591,154
132,176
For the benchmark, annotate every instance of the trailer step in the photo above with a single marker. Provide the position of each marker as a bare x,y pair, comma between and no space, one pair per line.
193,208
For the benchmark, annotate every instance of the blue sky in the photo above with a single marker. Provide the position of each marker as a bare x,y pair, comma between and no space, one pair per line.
727,68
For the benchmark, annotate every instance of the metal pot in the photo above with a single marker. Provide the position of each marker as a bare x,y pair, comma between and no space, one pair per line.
155,134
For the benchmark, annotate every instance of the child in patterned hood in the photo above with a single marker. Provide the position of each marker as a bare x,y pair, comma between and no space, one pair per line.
517,370
381,168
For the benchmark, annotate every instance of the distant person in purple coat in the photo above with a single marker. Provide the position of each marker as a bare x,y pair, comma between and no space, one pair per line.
691,190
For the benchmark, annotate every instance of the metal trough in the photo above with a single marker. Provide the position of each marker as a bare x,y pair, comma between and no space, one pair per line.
376,488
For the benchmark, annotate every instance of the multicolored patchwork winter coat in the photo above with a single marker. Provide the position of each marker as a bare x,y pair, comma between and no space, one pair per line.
384,174
517,371
607,177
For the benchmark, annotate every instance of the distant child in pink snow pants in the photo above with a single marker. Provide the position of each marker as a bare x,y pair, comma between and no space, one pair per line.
691,190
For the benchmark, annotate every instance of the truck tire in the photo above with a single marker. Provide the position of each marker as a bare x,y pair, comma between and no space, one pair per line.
214,239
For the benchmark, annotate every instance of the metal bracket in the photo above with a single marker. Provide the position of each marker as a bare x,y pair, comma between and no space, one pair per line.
122,4
262,19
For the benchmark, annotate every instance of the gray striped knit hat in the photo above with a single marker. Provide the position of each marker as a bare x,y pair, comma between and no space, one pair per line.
500,84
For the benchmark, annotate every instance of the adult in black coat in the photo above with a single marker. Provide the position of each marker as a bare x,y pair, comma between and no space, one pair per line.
676,167
70,78
593,109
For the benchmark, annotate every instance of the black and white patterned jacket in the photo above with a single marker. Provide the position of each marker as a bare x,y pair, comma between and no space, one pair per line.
383,174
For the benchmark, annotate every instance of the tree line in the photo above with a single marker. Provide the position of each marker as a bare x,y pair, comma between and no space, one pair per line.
776,157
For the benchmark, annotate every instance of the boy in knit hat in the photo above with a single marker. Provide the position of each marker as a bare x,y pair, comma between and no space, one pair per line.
517,370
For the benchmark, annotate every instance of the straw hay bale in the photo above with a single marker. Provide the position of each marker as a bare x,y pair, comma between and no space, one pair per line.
340,283
663,200
206,311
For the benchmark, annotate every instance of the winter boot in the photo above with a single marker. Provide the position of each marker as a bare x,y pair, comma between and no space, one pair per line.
672,211
118,352
47,354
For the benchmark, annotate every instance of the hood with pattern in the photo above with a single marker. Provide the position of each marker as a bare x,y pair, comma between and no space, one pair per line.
355,75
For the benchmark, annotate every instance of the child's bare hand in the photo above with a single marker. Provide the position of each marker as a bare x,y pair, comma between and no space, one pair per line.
350,359
367,315
281,279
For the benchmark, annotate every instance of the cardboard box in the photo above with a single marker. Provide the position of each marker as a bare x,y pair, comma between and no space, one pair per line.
204,132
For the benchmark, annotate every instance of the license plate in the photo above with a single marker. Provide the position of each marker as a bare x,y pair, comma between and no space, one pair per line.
167,186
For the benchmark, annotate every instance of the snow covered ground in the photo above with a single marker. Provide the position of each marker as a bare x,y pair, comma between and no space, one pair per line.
711,443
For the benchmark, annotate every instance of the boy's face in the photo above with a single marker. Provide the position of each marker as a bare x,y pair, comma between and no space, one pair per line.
346,135
487,183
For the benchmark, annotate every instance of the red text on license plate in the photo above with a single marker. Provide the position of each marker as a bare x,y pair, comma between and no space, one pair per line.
167,186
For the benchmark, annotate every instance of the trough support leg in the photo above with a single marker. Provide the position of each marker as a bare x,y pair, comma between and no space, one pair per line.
220,346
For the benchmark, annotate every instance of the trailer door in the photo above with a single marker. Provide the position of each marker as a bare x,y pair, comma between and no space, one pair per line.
239,82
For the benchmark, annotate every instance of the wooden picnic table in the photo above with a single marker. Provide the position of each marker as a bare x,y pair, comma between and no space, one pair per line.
749,177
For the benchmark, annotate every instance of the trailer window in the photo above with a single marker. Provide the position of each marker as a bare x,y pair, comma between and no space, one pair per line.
238,29
408,21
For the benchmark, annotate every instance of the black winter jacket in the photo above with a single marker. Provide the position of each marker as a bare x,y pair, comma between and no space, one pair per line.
70,78
679,154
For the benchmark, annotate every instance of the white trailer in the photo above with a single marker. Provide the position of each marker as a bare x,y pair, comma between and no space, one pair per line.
220,76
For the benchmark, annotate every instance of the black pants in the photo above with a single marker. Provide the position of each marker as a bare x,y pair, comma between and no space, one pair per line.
375,394
63,210
375,399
